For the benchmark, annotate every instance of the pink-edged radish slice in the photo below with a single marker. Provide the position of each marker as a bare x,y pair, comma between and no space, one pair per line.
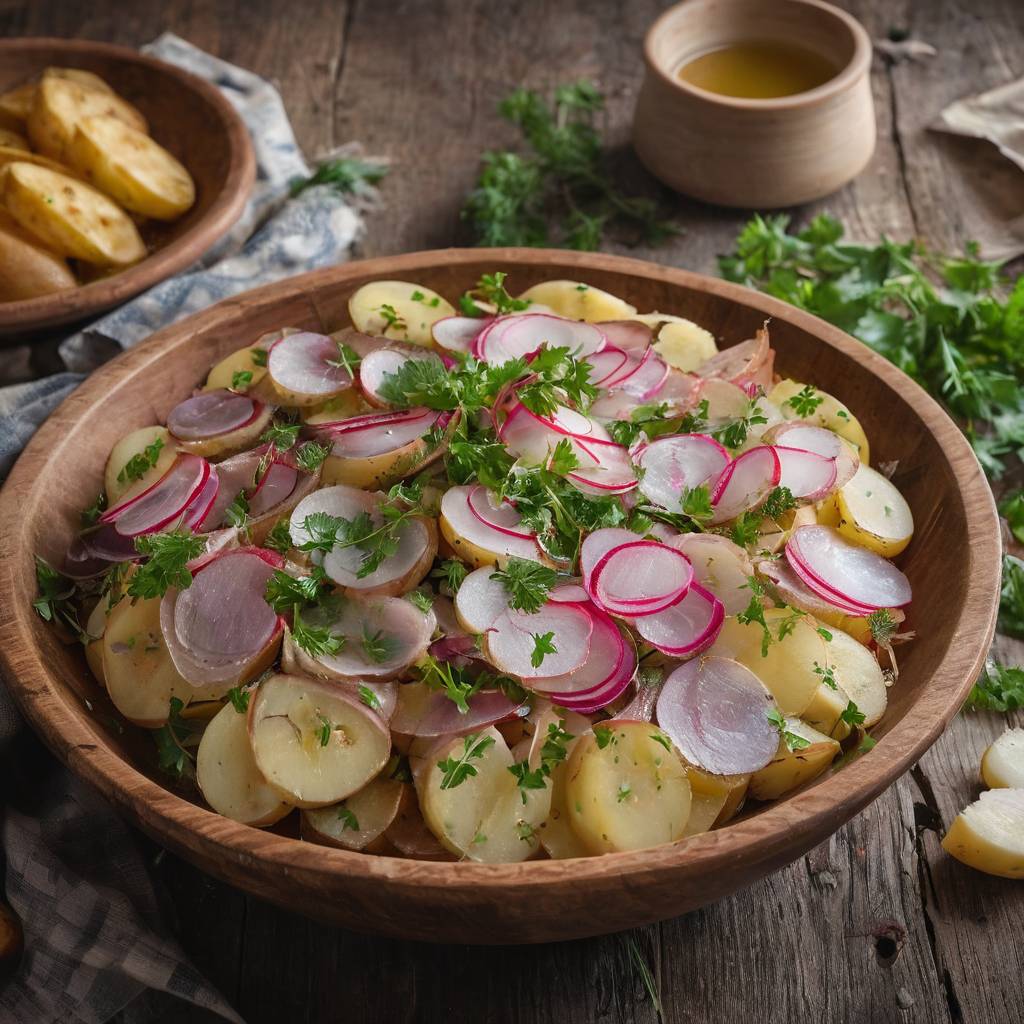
823,442
575,424
597,544
234,475
640,578
376,437
275,486
719,566
340,501
303,367
199,508
824,592
680,392
604,659
457,333
425,712
673,465
533,438
219,625
210,414
333,428
809,476
726,401
162,503
605,364
745,483
417,544
510,641
646,378
614,405
569,593
459,521
382,363
611,690
715,711
480,600
855,574
794,591
504,518
91,554
613,472
522,335
685,628
630,335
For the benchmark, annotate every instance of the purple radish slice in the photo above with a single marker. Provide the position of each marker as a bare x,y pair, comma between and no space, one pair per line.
745,483
597,544
457,648
162,503
794,591
855,574
647,378
640,578
457,333
686,627
467,524
504,518
221,623
217,542
605,364
808,476
673,465
480,600
93,553
234,475
604,660
200,507
524,334
641,707
510,640
372,438
613,473
569,593
276,485
631,335
302,364
715,711
824,592
363,420
594,700
425,712
381,363
210,414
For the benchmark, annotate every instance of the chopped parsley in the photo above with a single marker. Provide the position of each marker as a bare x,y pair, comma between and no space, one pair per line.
457,769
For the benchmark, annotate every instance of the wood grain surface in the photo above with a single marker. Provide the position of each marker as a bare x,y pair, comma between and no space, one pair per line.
874,925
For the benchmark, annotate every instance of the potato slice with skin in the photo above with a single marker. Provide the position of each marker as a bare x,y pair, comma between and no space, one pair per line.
704,811
359,821
872,512
830,413
989,834
129,446
792,768
59,105
341,407
556,832
579,301
29,268
223,374
409,834
69,216
289,717
627,789
378,472
10,155
86,79
685,345
227,774
234,441
824,711
16,105
859,676
1002,765
413,309
12,140
130,167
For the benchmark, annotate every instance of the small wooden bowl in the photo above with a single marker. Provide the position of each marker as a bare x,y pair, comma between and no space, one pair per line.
756,153
186,115
953,564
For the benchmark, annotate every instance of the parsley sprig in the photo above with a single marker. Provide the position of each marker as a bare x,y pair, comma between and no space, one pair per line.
457,769
167,557
527,583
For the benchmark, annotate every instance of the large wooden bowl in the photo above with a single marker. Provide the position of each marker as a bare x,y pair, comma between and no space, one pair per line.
186,115
953,564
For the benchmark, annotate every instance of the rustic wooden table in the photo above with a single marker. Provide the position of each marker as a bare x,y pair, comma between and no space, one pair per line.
877,924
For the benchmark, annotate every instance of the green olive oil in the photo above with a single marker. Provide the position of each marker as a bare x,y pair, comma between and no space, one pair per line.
758,70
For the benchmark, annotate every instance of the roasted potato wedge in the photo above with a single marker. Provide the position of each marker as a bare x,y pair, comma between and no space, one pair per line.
27,268
15,106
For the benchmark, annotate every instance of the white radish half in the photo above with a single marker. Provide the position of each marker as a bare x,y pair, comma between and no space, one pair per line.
477,541
378,435
381,363
719,566
715,711
597,544
523,335
807,475
301,367
686,627
422,711
852,572
631,335
673,465
163,502
458,333
745,483
510,641
640,578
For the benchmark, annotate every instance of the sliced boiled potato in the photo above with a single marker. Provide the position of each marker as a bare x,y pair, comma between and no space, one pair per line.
227,774
825,711
830,413
787,666
378,472
556,833
704,811
59,105
340,407
70,217
130,167
234,441
1002,765
121,454
409,834
684,345
16,105
242,360
11,155
314,743
12,140
578,301
727,792
629,794
360,821
859,676
399,310
989,834
29,269
873,513
86,79
792,768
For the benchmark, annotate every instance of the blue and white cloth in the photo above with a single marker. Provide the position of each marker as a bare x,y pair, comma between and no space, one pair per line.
94,942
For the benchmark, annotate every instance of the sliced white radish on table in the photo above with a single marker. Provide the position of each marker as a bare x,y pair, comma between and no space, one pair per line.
1002,765
745,483
305,368
715,711
579,301
686,627
521,336
164,501
873,513
807,475
314,743
117,484
399,310
423,711
852,572
684,345
480,600
227,774
475,541
511,642
382,363
625,790
640,578
988,835
676,464
210,414
458,333
720,566
359,821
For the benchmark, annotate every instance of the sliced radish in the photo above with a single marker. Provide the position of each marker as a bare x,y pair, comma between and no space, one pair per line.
569,593
597,544
510,641
745,483
162,503
680,392
686,627
92,553
640,578
646,377
611,690
824,592
382,363
641,707
523,335
604,659
234,475
726,401
719,566
715,711
377,435
342,564
301,364
808,476
275,486
480,600
612,472
210,414
470,527
853,573
673,465
605,364
614,405
340,501
533,438
792,588
749,362
796,434
425,712
630,335
504,518
200,507
457,333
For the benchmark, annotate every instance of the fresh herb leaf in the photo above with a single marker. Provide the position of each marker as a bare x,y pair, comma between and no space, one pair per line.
793,740
324,729
347,818
311,456
733,435
175,743
284,591
457,770
316,641
779,501
543,645
882,626
167,557
660,737
282,435
563,459
528,583
237,513
805,401
451,573
241,380
1011,599
421,599
348,175
379,646
369,698
604,735
259,356
852,715
1000,688
348,358
827,674
55,602
279,539
327,531
141,462
239,699
696,504
90,516
491,289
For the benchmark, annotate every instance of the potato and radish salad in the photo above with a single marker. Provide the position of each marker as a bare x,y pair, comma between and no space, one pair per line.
523,577
79,174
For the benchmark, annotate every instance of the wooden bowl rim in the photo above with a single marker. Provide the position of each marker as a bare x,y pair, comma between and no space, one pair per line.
226,208
811,813
856,68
